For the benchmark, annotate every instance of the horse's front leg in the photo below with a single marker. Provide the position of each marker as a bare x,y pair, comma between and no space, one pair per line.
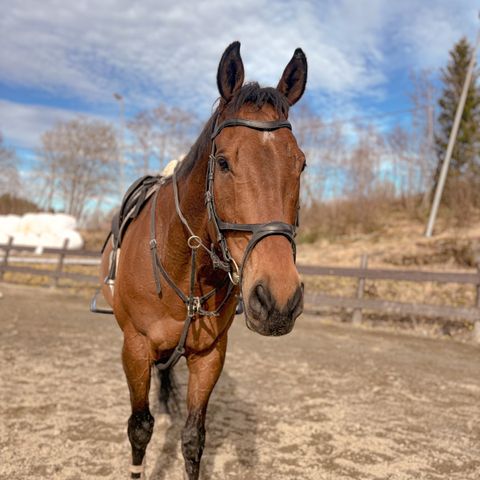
136,363
204,369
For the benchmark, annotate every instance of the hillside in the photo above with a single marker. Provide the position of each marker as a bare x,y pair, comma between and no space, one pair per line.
400,243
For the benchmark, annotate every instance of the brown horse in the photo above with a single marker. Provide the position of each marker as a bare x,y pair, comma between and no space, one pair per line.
222,225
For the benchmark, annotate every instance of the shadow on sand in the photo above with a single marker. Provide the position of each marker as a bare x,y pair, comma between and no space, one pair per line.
231,425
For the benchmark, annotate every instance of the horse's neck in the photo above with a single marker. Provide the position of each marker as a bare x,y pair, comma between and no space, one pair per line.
191,188
192,199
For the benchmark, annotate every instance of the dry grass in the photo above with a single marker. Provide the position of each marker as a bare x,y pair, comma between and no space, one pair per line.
399,244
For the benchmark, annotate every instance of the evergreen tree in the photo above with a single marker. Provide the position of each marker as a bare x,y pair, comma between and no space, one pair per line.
465,162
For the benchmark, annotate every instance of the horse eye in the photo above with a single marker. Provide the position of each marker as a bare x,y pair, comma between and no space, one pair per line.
223,164
304,166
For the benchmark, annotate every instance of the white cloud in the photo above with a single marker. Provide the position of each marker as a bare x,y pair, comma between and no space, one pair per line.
23,125
155,50
424,32
148,49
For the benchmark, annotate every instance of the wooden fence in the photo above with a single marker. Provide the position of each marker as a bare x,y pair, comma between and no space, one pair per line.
314,301
54,274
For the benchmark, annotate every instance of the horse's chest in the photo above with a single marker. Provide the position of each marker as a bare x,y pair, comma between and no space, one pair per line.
164,334
205,331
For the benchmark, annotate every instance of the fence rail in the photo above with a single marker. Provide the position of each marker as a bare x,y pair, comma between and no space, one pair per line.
387,274
314,301
55,274
317,301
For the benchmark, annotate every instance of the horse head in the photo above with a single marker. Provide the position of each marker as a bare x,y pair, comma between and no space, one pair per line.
255,183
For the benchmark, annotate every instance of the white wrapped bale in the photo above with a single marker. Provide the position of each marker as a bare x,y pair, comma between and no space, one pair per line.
41,229
8,226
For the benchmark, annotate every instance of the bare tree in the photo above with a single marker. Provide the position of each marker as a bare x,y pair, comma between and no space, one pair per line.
77,165
423,98
9,177
142,127
363,164
160,135
403,160
324,148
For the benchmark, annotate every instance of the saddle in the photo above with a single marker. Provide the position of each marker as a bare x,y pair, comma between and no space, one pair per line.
132,204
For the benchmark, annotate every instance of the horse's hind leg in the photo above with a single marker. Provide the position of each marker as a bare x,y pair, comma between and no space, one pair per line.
136,363
204,371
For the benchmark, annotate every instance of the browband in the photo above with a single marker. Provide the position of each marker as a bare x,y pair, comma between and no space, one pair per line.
257,125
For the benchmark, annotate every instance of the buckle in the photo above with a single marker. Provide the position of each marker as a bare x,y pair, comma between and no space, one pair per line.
180,350
153,244
193,306
216,262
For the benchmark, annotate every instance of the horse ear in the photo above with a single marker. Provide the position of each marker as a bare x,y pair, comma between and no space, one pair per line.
294,78
230,71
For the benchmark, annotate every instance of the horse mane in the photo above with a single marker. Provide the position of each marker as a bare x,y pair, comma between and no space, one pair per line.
250,93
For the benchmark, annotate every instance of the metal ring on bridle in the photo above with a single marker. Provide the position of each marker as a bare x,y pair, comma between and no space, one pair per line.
234,276
194,242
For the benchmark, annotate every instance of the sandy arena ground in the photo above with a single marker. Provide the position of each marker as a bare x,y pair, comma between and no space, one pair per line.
328,401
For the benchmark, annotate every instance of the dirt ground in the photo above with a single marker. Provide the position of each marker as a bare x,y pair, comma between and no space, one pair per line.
328,401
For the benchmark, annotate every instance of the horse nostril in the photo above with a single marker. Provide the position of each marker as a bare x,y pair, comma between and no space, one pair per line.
260,300
295,304
262,295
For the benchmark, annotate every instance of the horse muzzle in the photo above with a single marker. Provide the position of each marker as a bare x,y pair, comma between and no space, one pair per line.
264,316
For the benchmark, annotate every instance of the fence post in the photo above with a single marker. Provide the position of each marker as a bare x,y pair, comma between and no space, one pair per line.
61,257
357,313
6,255
476,325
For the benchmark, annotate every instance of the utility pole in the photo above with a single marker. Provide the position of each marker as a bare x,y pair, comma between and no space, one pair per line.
451,141
121,159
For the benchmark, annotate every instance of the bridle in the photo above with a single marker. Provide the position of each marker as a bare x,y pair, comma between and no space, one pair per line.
259,230
227,263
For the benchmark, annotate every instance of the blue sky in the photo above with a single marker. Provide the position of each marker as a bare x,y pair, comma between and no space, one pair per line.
62,58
